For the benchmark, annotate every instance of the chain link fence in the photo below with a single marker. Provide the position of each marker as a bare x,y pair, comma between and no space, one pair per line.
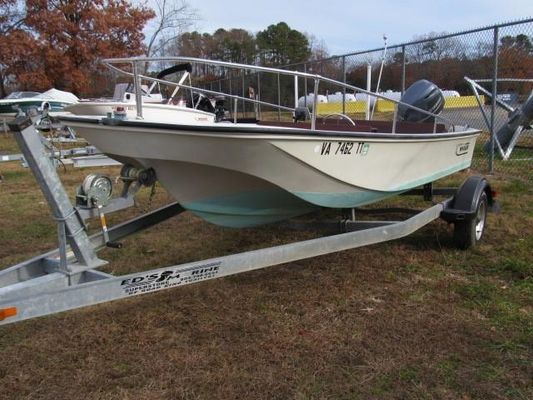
497,62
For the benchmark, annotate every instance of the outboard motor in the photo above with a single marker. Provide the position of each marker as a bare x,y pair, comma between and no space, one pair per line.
521,116
422,94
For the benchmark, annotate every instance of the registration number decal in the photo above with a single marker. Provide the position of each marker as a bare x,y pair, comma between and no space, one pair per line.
342,148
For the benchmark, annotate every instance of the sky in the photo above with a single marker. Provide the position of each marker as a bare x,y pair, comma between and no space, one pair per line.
349,26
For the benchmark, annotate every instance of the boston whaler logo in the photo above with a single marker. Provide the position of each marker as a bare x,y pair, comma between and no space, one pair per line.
462,148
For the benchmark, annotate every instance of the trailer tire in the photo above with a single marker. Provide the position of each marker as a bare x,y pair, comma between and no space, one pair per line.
468,233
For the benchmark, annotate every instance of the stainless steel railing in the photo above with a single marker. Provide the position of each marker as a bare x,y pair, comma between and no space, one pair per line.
136,62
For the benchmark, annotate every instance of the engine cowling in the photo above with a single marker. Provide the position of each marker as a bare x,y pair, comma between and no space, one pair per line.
422,94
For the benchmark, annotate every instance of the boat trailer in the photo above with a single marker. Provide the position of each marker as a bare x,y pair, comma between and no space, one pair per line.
68,277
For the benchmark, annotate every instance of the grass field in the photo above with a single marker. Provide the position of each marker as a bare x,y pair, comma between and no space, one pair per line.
409,319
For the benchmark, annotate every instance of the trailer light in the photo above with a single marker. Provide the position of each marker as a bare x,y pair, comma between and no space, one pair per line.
7,312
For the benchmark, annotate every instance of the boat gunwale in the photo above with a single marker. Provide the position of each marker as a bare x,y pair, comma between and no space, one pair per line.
263,132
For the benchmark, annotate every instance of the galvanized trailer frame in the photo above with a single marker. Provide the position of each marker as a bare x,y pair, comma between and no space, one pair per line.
67,278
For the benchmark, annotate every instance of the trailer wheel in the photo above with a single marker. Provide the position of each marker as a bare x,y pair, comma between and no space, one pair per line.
467,234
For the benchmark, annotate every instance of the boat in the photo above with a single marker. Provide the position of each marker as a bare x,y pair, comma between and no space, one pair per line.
123,98
154,105
246,172
21,102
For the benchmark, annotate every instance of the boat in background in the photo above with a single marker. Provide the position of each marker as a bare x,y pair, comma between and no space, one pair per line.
245,172
155,106
52,100
123,96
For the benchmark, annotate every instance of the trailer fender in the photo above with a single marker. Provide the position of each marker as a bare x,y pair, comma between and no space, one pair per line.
463,206
468,211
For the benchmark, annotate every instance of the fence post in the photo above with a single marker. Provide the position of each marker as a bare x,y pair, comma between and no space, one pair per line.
305,86
295,91
279,99
403,69
368,89
259,93
231,92
243,95
344,88
494,94
315,104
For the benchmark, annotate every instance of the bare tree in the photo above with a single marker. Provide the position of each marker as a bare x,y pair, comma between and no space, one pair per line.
12,14
172,18
319,48
433,48
12,38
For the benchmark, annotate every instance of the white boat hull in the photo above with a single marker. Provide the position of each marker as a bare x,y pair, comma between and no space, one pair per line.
254,174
